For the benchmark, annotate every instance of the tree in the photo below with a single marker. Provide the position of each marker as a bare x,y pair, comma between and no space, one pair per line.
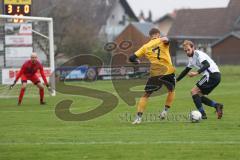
76,23
149,19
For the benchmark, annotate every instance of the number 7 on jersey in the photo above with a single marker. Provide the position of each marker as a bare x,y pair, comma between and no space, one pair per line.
157,51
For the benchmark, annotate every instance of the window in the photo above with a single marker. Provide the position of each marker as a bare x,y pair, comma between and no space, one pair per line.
237,23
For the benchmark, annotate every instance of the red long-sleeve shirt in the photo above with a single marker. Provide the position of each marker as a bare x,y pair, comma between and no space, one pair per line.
29,69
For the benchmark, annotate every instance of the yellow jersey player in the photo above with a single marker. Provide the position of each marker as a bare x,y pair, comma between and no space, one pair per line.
162,71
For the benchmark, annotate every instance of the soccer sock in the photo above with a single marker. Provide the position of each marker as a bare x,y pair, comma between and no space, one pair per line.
166,108
198,103
139,114
142,104
21,95
41,93
208,101
169,100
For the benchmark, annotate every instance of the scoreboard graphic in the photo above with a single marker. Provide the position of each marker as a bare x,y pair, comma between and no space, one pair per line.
17,7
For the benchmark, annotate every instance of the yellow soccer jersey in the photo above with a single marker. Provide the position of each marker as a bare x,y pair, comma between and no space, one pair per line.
158,54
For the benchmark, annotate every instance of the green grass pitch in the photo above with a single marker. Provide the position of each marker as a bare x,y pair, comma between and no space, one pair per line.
34,132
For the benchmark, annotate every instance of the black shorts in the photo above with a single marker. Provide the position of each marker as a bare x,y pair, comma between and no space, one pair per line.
206,86
155,83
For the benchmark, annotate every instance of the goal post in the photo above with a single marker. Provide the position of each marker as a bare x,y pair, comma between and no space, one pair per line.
49,38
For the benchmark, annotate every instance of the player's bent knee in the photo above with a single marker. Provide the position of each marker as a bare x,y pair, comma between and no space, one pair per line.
40,86
23,87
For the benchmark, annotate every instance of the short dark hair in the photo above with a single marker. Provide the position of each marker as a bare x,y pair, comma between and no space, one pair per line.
154,31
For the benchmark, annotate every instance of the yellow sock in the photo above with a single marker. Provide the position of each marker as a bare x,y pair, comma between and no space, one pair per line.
142,104
170,98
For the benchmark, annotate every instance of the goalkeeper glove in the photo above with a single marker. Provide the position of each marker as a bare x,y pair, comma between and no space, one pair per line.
12,85
49,88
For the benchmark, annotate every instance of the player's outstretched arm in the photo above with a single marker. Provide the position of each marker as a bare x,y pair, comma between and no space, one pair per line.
18,76
183,73
45,80
43,76
205,66
23,68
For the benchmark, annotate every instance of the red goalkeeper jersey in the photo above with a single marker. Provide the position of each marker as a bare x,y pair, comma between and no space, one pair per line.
29,69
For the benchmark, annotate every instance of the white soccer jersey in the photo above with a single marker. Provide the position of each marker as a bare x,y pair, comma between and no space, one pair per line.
198,58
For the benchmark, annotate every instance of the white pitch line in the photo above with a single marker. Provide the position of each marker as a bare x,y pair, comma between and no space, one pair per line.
121,143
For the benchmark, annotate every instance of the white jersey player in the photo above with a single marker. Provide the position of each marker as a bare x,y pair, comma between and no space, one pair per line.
198,58
211,78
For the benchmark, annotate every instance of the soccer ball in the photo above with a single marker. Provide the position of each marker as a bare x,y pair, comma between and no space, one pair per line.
195,116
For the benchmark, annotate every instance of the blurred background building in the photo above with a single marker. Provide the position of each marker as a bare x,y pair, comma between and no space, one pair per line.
214,30
84,27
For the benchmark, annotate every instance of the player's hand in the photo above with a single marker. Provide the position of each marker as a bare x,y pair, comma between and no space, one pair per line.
192,74
164,39
50,90
138,61
12,85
